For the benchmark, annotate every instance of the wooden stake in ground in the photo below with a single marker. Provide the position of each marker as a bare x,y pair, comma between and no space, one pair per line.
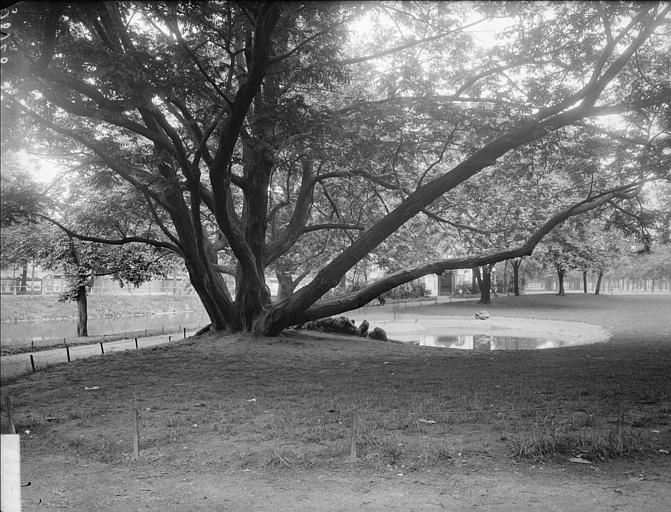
620,427
136,435
354,434
8,406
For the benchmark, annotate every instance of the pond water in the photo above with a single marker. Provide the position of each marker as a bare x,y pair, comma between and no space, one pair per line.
21,333
483,342
495,334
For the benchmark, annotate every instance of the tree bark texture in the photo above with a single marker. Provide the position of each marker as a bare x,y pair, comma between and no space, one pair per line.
23,286
561,273
516,276
82,312
599,279
486,285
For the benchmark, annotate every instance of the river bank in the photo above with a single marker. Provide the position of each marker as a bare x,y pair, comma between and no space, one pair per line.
26,308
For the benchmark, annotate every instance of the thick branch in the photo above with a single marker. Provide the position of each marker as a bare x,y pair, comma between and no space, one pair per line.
320,227
221,175
114,162
361,297
290,235
121,241
329,276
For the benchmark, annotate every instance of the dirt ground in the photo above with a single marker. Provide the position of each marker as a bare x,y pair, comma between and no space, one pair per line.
236,423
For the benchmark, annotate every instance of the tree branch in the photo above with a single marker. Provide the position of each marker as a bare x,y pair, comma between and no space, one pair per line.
401,47
319,227
107,241
361,297
114,162
221,174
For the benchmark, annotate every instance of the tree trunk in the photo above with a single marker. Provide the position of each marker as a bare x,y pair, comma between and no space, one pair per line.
486,285
82,312
506,278
252,295
584,281
211,289
516,276
23,285
477,280
560,276
598,283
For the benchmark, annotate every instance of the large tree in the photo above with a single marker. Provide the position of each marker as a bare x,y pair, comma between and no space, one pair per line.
202,107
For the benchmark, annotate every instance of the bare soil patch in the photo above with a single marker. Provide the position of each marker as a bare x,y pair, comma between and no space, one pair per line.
237,423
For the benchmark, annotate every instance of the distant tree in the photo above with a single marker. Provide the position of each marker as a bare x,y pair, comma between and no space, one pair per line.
82,262
31,234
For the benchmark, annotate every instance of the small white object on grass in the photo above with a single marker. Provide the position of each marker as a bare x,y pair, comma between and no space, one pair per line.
580,460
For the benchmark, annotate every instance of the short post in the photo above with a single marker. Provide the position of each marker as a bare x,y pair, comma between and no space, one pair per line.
8,406
135,342
102,350
67,351
145,333
354,427
185,333
32,344
136,435
169,339
32,362
65,341
620,428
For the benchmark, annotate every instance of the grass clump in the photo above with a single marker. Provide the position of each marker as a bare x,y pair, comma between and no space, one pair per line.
548,445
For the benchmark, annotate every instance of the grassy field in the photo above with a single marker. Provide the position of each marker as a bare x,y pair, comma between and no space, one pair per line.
47,307
237,423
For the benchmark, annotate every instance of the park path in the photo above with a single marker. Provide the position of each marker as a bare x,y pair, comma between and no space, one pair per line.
20,364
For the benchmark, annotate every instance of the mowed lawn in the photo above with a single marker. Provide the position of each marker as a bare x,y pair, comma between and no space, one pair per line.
216,405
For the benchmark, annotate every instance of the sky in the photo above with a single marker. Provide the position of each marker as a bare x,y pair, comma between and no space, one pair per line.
41,169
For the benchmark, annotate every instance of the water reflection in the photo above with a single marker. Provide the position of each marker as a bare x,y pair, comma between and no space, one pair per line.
484,342
21,333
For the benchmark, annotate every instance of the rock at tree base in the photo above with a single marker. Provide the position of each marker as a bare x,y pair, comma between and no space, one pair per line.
341,325
363,329
482,315
378,334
